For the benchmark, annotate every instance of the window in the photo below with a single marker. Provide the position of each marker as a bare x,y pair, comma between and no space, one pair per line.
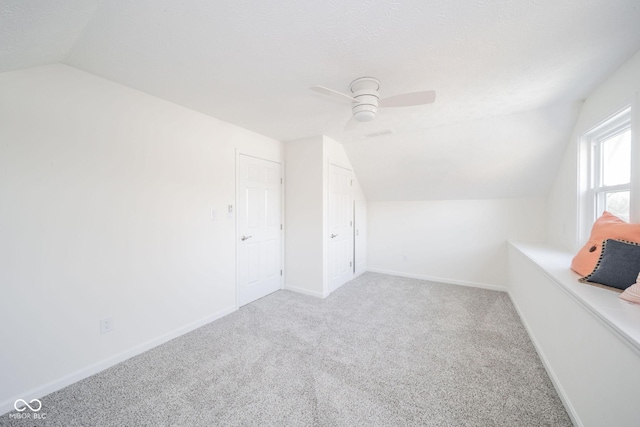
606,171
611,172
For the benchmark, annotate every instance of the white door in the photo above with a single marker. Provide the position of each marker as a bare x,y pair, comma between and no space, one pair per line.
340,227
360,231
259,231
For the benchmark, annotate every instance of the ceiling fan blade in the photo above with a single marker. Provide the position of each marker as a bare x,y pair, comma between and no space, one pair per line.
333,93
351,124
408,99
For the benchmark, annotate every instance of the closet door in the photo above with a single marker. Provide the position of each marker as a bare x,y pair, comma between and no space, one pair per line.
360,236
340,227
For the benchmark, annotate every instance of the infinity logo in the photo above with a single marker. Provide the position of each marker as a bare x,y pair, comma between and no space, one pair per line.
24,402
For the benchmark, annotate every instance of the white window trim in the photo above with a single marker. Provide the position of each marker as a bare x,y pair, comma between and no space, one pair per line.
634,213
624,117
616,125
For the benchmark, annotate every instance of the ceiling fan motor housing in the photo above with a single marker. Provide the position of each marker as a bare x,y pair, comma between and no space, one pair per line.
365,91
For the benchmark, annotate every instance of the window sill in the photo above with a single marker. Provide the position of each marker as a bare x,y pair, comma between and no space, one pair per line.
621,317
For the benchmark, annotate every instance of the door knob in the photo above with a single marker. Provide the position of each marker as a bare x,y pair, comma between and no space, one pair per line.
243,238
334,235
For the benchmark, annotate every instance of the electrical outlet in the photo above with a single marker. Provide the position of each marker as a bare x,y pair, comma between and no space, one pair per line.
106,325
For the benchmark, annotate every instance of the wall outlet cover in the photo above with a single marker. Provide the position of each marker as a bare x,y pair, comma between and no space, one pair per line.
106,325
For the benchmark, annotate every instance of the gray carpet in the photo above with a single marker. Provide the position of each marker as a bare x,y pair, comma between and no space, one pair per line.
380,351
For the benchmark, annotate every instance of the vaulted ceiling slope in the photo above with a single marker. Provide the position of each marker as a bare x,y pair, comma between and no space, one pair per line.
509,74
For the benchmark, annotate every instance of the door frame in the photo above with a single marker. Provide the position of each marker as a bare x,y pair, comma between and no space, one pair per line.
236,233
358,228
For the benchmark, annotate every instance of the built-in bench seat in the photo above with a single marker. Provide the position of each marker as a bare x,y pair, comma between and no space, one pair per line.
587,337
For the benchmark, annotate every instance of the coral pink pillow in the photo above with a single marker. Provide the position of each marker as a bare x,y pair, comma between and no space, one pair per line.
608,226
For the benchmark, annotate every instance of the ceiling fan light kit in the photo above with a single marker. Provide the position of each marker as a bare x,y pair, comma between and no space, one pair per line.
365,99
364,113
365,93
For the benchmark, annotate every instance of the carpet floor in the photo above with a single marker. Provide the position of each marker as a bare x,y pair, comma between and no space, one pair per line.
380,351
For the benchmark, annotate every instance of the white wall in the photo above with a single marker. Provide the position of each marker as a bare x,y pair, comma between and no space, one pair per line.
304,210
454,241
619,89
105,197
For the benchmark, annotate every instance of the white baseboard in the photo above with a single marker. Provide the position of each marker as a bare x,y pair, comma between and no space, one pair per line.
315,293
440,279
43,390
547,366
305,291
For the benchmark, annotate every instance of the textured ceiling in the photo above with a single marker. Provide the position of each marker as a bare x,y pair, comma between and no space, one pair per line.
507,73
36,33
492,157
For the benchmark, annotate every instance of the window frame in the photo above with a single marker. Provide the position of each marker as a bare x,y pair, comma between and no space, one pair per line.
619,124
590,195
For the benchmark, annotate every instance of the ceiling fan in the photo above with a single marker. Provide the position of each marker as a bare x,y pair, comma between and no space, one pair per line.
365,99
